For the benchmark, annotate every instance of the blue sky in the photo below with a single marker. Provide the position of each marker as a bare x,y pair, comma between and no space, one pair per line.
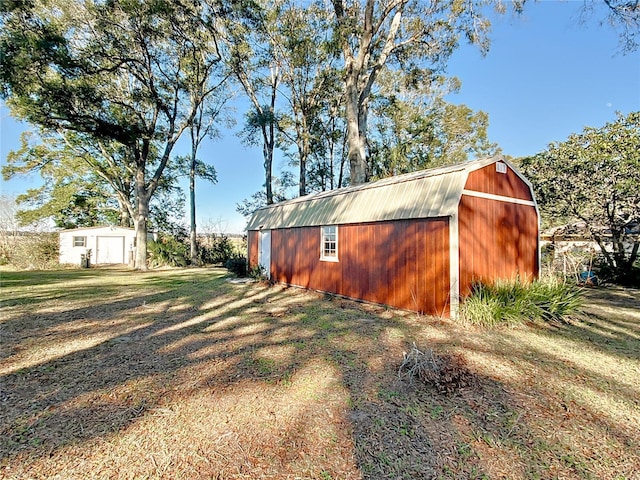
546,75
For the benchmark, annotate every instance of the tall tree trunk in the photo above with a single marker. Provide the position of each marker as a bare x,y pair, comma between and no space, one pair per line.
303,153
343,159
361,71
192,209
267,151
124,207
141,234
125,218
356,131
194,130
332,146
269,132
140,220
303,176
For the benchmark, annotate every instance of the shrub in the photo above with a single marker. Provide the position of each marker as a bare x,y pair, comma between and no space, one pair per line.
168,251
554,299
628,278
219,251
258,272
237,264
510,302
31,251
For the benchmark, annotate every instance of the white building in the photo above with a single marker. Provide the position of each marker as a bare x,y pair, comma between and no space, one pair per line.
103,244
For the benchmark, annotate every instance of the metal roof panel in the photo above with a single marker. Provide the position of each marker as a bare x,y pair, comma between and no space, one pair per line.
423,194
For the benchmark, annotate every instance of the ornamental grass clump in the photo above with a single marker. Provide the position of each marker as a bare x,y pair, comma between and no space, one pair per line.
511,302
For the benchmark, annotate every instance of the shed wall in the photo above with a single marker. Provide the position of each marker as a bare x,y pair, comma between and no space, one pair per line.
253,239
71,254
497,240
488,180
401,263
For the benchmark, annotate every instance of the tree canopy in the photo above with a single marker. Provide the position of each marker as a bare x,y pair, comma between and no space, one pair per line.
413,38
593,177
348,90
127,75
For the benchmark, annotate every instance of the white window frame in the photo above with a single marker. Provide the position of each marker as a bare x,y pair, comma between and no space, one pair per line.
328,256
76,242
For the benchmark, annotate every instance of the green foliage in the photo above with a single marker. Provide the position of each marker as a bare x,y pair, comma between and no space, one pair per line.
593,178
237,264
411,39
168,251
310,75
166,211
511,302
71,194
217,252
424,132
204,171
30,250
258,272
73,66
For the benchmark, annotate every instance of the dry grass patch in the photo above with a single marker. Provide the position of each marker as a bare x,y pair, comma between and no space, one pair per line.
181,374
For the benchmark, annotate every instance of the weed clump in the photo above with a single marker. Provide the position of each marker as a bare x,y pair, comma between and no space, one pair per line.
448,373
511,302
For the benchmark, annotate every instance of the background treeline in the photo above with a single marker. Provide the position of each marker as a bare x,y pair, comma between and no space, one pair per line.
348,92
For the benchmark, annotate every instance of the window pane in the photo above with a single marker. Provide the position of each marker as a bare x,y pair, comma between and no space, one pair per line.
329,242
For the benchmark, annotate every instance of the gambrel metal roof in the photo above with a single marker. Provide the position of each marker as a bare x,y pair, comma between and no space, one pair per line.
424,194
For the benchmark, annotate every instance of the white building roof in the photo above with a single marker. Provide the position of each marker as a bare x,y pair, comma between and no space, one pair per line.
112,228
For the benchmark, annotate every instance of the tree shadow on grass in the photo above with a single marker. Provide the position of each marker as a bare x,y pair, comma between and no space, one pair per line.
143,341
614,296
610,322
162,348
16,279
410,429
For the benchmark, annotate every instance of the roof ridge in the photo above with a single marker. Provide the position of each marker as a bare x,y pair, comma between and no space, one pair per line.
392,180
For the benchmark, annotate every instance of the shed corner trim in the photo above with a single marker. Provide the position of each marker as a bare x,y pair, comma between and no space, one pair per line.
454,267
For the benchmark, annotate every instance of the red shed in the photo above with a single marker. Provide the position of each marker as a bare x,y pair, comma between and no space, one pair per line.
416,241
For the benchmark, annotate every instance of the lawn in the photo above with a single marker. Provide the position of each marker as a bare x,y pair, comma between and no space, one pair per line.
180,373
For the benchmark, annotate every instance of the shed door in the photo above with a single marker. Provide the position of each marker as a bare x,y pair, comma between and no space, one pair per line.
264,254
110,250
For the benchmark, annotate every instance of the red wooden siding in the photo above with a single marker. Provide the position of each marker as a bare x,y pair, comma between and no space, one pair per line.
403,264
253,244
496,240
488,180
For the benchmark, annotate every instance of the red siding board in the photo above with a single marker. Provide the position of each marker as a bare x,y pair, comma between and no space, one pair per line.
402,264
488,180
497,240
252,245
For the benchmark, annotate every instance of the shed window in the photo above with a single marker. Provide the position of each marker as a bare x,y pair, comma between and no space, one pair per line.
329,243
79,241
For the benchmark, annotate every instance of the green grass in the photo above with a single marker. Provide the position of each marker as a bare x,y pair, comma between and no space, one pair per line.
511,302
177,373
